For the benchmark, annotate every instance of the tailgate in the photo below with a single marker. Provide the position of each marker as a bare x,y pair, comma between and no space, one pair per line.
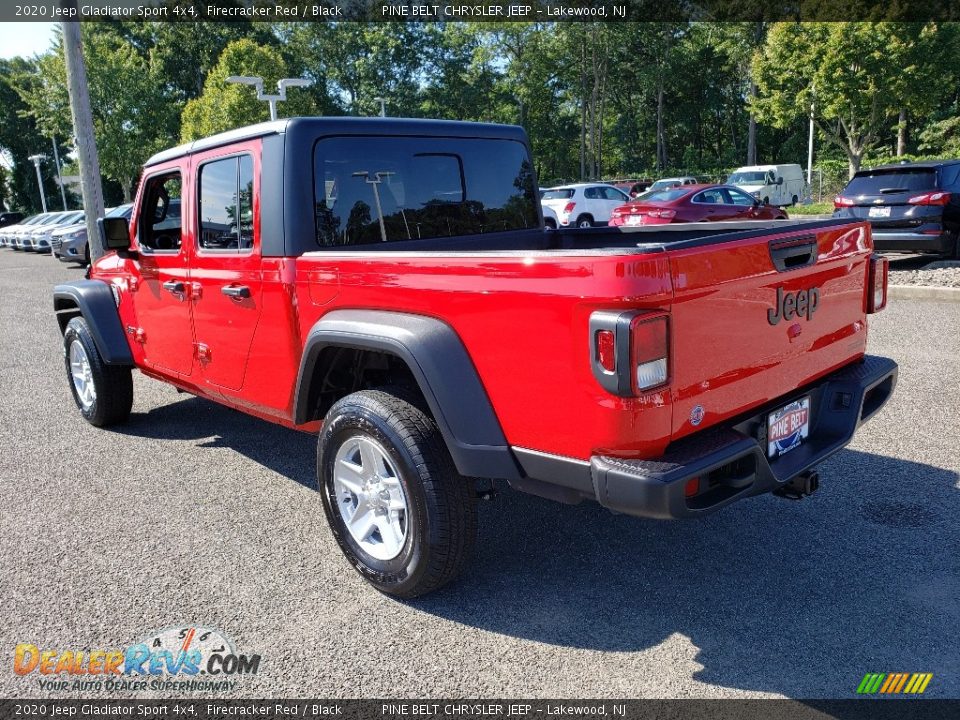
754,319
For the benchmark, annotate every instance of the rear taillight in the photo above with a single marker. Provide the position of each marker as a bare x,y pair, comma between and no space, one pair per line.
648,352
568,208
877,284
841,202
630,351
662,213
932,198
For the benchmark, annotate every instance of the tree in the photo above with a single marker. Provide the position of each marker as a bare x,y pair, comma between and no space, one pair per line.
131,116
859,75
224,106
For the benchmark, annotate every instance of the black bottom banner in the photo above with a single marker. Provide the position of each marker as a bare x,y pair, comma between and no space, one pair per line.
197,709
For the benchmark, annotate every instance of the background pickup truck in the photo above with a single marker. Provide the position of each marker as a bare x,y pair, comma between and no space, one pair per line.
389,285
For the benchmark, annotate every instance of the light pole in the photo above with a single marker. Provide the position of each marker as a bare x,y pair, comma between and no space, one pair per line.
282,86
36,163
56,160
383,105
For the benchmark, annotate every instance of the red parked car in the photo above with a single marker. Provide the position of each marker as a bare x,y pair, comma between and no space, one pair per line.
693,203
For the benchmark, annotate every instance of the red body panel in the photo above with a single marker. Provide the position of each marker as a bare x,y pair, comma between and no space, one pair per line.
522,317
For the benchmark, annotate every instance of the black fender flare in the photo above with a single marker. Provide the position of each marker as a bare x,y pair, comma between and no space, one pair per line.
439,362
93,299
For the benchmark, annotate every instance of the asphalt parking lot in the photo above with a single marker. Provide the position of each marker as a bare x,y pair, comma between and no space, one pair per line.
195,515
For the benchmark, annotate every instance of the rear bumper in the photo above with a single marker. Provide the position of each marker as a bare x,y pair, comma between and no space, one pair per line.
908,241
730,461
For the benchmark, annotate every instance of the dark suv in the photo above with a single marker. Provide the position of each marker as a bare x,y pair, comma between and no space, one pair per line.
911,206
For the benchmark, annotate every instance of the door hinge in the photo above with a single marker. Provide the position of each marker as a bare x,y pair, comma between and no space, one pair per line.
137,334
203,352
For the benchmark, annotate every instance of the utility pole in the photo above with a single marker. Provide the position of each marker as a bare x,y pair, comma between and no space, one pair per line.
83,129
383,105
56,160
37,159
810,148
282,86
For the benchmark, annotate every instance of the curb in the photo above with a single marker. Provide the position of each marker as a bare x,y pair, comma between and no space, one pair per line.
924,292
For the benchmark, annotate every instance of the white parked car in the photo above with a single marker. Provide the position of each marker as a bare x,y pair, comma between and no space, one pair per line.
581,204
667,183
772,184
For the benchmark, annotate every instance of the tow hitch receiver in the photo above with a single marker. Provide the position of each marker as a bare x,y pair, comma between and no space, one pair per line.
803,485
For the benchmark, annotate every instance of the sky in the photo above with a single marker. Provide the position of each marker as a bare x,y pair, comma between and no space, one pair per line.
24,38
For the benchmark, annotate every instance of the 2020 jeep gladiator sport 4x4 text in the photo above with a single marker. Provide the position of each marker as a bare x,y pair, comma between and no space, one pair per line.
389,284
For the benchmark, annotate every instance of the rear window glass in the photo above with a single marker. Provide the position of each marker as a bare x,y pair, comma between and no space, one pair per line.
388,189
561,194
663,195
874,182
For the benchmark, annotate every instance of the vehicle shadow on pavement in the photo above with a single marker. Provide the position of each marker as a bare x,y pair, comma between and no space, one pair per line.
799,598
290,453
795,598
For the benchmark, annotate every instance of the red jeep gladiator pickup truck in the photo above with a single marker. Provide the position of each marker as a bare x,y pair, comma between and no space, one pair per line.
389,285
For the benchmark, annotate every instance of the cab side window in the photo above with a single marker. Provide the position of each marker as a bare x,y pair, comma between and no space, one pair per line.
226,204
160,223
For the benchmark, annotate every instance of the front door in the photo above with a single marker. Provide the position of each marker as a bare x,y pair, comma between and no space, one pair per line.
225,270
162,294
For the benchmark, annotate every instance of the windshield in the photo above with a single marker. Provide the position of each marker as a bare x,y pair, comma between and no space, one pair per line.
661,184
559,194
120,211
754,177
884,182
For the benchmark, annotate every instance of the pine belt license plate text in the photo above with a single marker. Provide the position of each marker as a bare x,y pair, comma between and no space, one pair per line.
879,212
788,427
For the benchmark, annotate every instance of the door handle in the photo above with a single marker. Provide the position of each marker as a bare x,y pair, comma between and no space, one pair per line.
174,286
236,291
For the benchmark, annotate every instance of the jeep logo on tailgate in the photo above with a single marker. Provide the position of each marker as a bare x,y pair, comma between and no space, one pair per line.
790,305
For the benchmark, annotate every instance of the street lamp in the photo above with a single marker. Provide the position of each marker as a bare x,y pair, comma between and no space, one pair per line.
383,105
37,159
282,86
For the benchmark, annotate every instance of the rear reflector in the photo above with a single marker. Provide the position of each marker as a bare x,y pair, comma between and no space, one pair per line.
606,345
649,351
692,487
877,284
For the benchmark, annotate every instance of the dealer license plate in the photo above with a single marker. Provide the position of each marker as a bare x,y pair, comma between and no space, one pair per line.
788,427
879,212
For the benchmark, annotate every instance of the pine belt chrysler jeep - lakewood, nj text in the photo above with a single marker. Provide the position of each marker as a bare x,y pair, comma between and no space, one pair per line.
389,285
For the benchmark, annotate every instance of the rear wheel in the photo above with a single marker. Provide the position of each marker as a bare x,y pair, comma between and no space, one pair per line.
550,223
956,245
398,509
103,393
794,200
584,221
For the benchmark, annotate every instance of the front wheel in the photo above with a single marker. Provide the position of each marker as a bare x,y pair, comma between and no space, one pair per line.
399,510
103,393
584,221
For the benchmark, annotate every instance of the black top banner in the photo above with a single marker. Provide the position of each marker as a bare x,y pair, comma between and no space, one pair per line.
483,11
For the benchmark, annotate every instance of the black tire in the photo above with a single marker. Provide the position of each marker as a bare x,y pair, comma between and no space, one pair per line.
441,515
956,245
584,221
86,255
112,384
550,223
794,200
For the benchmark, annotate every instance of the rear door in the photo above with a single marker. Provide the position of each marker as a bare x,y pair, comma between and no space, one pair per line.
753,317
226,272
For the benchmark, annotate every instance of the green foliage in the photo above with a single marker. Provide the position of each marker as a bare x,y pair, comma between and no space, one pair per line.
224,106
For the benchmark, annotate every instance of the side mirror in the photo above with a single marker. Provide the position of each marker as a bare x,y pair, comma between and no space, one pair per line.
114,233
779,181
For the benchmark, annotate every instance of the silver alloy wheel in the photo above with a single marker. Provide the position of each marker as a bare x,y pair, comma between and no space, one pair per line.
82,375
370,497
